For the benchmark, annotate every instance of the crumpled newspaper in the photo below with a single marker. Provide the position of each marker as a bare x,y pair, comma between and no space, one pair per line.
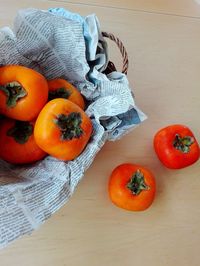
58,43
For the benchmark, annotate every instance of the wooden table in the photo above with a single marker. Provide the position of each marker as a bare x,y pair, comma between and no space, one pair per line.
163,43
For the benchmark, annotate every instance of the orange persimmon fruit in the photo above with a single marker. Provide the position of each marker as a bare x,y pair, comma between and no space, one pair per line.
23,92
176,146
17,143
132,187
60,88
62,129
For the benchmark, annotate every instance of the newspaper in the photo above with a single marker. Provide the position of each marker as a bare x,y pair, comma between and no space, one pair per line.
58,43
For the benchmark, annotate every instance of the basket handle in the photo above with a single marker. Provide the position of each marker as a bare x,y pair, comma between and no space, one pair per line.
122,50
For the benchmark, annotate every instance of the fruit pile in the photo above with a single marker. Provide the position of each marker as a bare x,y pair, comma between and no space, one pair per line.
40,117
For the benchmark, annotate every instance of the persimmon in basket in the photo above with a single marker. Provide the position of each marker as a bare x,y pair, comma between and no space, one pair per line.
60,88
23,92
17,143
62,129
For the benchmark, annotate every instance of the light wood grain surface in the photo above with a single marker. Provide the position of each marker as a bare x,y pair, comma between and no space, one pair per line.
163,43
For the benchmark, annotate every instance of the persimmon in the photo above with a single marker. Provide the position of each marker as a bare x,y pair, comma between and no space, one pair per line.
17,143
176,146
132,187
60,88
62,129
23,92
